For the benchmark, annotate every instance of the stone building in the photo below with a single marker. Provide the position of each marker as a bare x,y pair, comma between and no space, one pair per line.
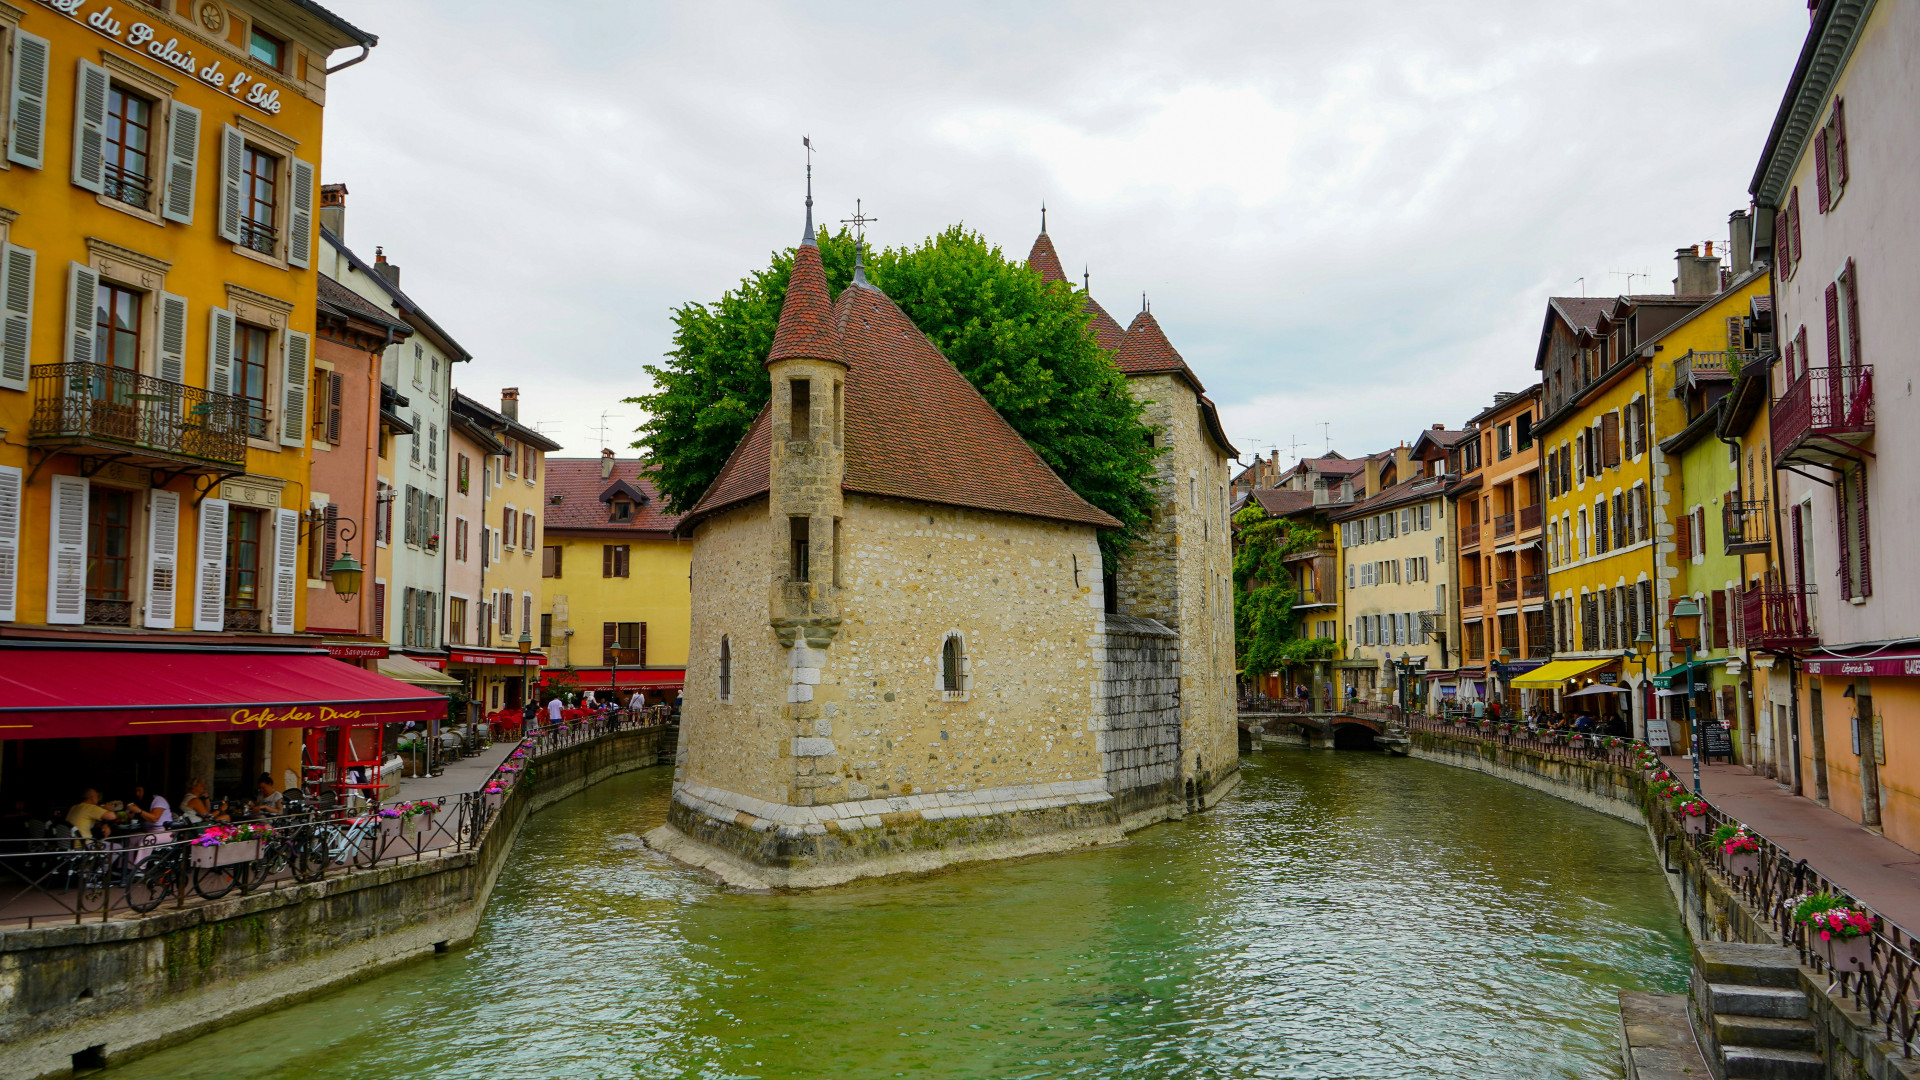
900,656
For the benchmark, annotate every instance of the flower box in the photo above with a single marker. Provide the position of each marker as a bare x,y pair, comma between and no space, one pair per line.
1849,955
1696,824
493,799
389,827
231,853
1743,863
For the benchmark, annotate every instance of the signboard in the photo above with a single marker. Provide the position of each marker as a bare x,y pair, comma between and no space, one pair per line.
1889,665
357,652
1610,678
462,656
1716,740
166,48
1658,735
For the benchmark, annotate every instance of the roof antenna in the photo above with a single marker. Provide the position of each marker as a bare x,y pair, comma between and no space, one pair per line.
1326,429
859,222
807,141
602,429
1583,285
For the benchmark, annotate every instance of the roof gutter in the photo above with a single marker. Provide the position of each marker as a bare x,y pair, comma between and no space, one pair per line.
365,49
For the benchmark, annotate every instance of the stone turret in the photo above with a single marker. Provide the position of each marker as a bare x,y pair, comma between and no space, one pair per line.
807,456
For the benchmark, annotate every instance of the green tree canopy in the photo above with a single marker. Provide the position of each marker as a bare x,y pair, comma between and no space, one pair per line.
1023,342
1263,623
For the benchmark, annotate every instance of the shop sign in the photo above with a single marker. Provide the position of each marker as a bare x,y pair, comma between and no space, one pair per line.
1659,736
1611,678
357,652
507,659
1891,665
143,37
319,716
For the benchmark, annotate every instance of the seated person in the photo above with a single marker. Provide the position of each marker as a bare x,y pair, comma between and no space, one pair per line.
265,799
153,810
197,804
86,814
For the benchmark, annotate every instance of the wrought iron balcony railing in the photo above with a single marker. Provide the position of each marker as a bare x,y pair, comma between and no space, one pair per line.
1503,526
126,187
112,408
244,620
1470,535
259,236
1823,415
1533,585
1469,596
1506,589
1748,526
1530,517
1779,617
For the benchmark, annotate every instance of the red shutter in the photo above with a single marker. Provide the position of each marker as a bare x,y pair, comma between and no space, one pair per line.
1841,498
1793,222
1866,544
1719,619
1820,169
1610,439
609,641
1782,243
606,560
1683,538
1840,141
1833,325
1852,278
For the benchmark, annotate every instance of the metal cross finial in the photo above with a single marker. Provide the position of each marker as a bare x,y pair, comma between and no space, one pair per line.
1043,217
859,221
807,141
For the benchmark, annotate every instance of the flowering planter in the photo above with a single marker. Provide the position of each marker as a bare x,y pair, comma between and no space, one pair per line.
1849,955
228,854
389,827
1743,863
417,825
1696,824
494,799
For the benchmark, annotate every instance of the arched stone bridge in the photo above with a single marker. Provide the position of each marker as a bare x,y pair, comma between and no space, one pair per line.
1357,727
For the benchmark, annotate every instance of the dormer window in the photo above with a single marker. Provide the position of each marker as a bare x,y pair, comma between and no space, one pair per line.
622,510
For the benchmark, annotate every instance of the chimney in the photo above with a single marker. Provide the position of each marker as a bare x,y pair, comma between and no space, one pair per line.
606,463
510,403
333,210
1699,274
384,268
1439,427
1320,492
1402,463
1740,234
1372,475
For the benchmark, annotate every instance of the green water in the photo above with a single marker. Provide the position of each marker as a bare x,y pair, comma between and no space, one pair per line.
1339,915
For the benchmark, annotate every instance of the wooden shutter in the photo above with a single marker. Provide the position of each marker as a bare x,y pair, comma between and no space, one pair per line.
1683,538
332,549
89,128
210,567
233,156
83,298
609,641
1839,147
286,564
173,339
1793,222
11,490
67,552
1842,499
16,316
1851,277
1719,618
1736,333
297,354
27,101
163,557
1833,325
1782,244
606,560
1610,438
335,387
300,215
1820,170
183,162
1864,584
220,351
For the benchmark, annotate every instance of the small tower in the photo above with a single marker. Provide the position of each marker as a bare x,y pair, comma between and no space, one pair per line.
807,456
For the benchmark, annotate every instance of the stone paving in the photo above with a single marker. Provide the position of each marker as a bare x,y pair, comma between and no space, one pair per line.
1877,871
466,774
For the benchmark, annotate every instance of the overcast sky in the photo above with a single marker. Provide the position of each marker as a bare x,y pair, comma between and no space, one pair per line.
1344,214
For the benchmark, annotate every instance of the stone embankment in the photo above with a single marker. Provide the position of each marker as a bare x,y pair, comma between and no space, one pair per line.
97,993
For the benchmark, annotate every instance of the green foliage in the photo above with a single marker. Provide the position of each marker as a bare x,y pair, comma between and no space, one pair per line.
1022,342
1265,635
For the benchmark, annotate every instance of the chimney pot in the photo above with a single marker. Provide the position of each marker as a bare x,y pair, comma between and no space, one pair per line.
333,210
510,403
606,463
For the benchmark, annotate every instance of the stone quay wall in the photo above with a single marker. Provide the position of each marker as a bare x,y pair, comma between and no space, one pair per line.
1853,1045
1140,740
129,986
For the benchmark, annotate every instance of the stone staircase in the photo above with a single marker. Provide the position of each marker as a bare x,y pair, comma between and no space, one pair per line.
1751,1008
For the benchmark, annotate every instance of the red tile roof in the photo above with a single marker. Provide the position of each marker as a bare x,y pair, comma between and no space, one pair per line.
1106,330
1277,501
1148,352
915,429
578,485
806,315
1045,260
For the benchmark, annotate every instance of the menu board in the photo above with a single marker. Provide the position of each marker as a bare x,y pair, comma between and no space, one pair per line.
1658,736
1718,740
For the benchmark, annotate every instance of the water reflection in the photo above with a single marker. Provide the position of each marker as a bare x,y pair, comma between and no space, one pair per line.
1340,915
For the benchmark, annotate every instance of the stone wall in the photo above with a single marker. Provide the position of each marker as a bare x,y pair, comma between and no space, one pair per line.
1140,743
131,986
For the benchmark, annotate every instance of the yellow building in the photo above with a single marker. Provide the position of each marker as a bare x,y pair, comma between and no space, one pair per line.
1613,500
617,600
157,214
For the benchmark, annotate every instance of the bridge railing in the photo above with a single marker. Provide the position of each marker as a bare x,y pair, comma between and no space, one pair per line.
1575,746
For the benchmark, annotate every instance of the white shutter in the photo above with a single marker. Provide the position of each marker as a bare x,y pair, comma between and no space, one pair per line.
220,351
286,559
89,128
16,316
233,156
183,162
27,100
83,300
297,350
67,552
163,557
300,214
10,492
210,567
173,338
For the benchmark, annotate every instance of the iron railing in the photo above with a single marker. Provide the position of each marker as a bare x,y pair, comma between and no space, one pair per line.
109,612
1532,585
259,236
1505,589
1747,526
1778,616
130,188
1469,596
117,407
1470,534
1831,404
1530,517
1503,526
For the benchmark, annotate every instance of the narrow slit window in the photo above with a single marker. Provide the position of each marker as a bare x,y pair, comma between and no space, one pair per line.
726,669
836,551
950,667
799,425
797,530
838,425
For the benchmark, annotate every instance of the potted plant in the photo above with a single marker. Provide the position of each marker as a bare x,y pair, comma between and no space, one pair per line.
1741,849
227,845
1692,813
494,793
416,817
389,818
1842,928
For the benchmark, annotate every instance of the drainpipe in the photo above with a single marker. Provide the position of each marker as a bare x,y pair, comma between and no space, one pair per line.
365,48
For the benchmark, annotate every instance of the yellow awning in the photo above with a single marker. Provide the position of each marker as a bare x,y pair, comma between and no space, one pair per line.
408,670
1550,676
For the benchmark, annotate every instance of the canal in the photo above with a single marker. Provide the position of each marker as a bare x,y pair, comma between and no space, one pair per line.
1339,915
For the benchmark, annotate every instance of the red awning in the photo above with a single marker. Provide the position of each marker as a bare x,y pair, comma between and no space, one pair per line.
66,693
638,678
458,655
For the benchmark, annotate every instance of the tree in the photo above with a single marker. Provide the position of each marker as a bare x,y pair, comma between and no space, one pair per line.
1023,343
1263,623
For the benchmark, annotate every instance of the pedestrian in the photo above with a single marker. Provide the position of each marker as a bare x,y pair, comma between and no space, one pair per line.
553,710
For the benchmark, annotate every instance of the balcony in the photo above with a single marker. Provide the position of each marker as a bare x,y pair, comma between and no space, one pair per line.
1778,617
244,620
1502,527
1506,590
109,612
94,410
1695,369
1823,416
1322,550
1748,527
259,236
1533,586
1309,598
1530,517
1469,596
1539,635
1469,535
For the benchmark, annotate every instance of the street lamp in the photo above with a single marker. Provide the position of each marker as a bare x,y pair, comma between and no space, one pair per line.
1684,621
345,572
1642,647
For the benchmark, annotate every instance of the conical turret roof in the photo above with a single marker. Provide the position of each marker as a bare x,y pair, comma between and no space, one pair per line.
806,315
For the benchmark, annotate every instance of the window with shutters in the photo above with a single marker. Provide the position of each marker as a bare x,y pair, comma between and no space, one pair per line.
460,539
509,526
463,465
527,540
433,448
260,204
252,348
613,560
116,335
456,620
128,143
550,561
245,530
623,643
109,556
1853,544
